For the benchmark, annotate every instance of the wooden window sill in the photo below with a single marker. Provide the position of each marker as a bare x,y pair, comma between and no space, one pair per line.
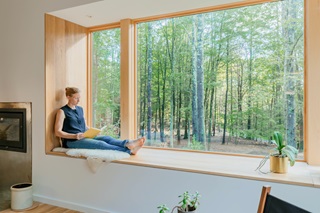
223,165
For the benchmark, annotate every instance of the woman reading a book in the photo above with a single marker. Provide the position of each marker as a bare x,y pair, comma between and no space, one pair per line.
70,126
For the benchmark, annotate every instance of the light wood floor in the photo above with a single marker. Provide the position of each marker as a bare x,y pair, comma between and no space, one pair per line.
43,208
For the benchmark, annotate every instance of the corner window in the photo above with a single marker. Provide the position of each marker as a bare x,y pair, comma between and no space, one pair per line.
223,81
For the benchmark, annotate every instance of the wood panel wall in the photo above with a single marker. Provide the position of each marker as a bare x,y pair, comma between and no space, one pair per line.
312,79
66,65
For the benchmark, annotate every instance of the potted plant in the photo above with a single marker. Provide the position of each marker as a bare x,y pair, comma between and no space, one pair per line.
163,208
188,203
280,155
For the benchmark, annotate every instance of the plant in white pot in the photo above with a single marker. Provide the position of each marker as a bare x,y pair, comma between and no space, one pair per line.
280,155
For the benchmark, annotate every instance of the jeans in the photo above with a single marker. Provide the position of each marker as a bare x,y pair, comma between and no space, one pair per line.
100,142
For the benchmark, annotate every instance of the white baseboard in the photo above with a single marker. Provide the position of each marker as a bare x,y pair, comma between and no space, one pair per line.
68,205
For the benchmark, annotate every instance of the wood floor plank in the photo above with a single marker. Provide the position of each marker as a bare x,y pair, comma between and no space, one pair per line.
43,208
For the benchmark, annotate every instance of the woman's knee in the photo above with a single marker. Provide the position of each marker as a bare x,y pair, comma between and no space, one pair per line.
104,138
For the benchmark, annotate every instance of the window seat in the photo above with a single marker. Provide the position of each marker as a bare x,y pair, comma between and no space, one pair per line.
219,164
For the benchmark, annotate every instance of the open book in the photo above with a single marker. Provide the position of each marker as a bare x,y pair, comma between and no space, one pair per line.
91,132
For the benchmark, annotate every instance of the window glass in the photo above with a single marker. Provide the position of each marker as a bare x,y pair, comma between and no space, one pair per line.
106,81
223,81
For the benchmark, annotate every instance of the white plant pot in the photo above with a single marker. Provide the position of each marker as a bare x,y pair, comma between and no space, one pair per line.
21,196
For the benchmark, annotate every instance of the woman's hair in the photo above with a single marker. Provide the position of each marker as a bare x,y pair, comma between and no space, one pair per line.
71,90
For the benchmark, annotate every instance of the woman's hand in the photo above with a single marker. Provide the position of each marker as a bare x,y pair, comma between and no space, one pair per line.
79,136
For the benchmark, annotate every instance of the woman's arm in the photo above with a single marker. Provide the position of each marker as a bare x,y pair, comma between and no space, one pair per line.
58,128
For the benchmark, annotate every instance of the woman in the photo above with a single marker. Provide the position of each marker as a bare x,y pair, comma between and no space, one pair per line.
70,126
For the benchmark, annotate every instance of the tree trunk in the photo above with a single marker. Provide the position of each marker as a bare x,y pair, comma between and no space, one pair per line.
170,51
210,118
249,121
200,78
164,77
149,91
195,120
226,97
290,12
158,108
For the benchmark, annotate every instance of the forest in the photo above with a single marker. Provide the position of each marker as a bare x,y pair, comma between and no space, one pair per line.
223,77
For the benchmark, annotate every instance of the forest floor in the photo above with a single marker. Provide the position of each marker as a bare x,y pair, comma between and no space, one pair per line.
232,145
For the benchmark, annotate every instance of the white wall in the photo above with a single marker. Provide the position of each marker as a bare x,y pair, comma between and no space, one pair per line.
121,188
114,188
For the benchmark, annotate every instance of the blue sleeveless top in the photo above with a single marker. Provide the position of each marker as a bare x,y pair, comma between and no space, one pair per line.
74,122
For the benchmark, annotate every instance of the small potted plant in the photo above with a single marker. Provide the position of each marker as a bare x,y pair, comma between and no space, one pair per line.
188,203
163,208
280,155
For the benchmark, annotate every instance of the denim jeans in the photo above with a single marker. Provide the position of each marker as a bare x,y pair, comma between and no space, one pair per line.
100,142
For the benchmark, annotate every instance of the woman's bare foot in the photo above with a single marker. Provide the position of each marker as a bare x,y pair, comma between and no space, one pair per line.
135,145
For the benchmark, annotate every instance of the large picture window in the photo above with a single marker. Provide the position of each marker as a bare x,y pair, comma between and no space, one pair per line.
223,81
106,81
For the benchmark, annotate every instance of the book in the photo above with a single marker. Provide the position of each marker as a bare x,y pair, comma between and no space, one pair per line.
91,132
